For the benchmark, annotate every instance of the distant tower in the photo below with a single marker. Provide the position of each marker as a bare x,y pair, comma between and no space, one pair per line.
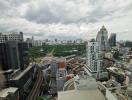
32,38
93,56
112,39
102,38
21,36
33,42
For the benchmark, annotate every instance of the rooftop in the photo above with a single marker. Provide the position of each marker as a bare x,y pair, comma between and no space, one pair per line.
85,89
81,95
22,73
116,70
5,92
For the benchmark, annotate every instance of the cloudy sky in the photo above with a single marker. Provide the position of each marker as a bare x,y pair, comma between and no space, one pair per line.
66,18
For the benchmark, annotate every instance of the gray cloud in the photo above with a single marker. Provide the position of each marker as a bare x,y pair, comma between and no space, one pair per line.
74,11
81,18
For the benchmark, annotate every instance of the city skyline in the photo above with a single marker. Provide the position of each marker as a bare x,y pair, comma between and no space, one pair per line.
65,18
65,50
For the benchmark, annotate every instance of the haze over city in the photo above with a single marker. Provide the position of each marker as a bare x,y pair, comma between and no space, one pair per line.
65,50
66,18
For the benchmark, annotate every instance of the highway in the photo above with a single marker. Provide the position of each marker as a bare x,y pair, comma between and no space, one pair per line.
39,80
37,85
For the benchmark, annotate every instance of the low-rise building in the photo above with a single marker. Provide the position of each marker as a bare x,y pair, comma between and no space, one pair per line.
109,55
107,62
117,74
114,91
10,93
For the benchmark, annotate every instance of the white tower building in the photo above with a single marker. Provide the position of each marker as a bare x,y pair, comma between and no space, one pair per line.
102,38
93,56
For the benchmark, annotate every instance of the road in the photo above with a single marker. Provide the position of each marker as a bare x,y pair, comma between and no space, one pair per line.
48,58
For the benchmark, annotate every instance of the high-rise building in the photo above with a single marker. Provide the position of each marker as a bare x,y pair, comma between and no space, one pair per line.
37,43
13,51
33,42
13,55
102,38
29,42
93,56
61,74
4,64
58,74
11,37
54,67
112,40
23,54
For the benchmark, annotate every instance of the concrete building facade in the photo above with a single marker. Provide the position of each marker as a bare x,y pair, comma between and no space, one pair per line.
112,39
11,37
13,51
102,38
13,55
93,56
